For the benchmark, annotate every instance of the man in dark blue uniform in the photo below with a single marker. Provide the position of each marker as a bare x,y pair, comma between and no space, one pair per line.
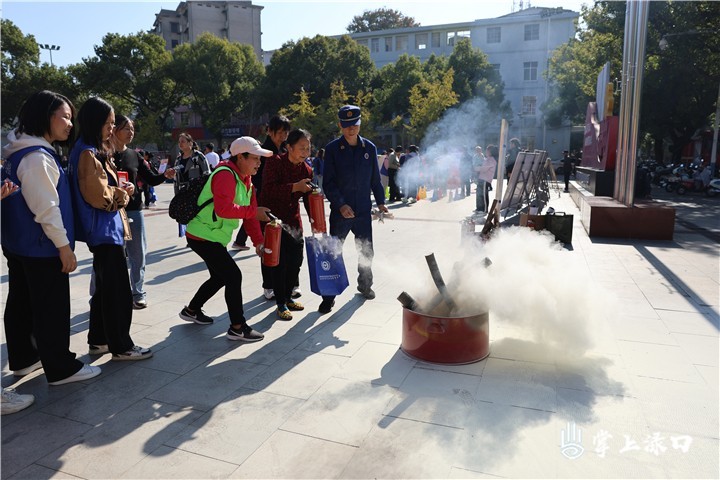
350,173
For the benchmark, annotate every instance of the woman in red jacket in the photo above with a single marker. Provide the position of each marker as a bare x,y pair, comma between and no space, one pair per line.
285,180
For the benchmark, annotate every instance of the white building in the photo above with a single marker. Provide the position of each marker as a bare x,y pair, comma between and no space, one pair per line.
237,21
519,45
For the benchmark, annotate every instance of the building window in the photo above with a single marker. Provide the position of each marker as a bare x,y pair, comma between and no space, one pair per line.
494,34
184,119
436,40
174,43
388,44
532,32
374,45
528,105
530,71
363,42
453,37
421,40
401,43
174,27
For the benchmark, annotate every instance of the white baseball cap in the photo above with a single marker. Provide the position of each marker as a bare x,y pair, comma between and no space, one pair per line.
248,145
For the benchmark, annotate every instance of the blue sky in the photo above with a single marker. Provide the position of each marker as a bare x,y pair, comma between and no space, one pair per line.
78,26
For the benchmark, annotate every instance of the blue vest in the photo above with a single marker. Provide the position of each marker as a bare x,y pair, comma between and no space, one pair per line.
21,234
92,225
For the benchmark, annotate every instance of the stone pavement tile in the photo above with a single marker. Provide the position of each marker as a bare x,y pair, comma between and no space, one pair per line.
509,347
236,428
339,339
165,333
436,397
508,441
685,408
184,355
460,473
276,344
298,374
377,363
520,384
658,361
288,455
34,472
109,395
637,307
701,459
208,384
25,442
699,349
702,322
403,448
711,375
375,314
341,411
600,374
166,462
45,395
641,329
672,301
628,290
121,441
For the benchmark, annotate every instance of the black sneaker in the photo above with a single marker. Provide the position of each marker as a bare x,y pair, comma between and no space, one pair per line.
368,293
244,334
198,317
326,306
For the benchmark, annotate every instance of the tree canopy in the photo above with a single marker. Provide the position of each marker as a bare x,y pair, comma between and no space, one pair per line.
380,19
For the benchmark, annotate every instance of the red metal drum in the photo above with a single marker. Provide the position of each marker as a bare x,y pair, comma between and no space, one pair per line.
449,340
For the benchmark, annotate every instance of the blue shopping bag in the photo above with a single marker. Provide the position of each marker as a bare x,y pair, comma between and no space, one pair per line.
325,262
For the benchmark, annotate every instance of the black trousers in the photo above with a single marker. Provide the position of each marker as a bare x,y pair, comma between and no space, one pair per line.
482,196
111,304
392,182
224,272
38,305
361,227
566,177
285,274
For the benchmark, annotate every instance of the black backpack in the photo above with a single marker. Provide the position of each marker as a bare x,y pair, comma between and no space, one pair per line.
184,206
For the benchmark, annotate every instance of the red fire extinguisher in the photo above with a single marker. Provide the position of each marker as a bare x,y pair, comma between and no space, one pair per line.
317,210
271,248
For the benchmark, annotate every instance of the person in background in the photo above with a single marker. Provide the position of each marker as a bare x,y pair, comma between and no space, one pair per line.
189,165
38,242
568,166
285,181
317,168
99,201
231,189
511,156
139,174
149,190
393,167
278,129
485,167
351,172
212,158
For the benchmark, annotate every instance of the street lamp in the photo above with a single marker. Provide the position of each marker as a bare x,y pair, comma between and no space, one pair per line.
49,48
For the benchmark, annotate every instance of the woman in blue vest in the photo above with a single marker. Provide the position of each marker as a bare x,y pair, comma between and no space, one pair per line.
99,202
38,241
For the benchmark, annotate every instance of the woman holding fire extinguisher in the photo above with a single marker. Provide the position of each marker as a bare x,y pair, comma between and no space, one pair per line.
285,180
233,198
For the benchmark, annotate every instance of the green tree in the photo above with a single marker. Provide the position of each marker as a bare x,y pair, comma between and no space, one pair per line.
132,70
326,125
380,19
314,63
428,101
302,113
475,77
220,78
393,85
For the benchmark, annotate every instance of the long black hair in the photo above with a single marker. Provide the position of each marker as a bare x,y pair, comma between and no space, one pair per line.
91,120
35,114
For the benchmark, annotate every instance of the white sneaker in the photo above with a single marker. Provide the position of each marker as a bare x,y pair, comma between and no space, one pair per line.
296,292
13,402
269,293
85,373
28,370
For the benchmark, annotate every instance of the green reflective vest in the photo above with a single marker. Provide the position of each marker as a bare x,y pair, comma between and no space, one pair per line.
211,227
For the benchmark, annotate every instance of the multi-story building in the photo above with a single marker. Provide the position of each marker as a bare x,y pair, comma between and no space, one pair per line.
519,45
237,21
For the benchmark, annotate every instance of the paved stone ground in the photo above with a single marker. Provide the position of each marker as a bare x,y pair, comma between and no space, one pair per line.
332,396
